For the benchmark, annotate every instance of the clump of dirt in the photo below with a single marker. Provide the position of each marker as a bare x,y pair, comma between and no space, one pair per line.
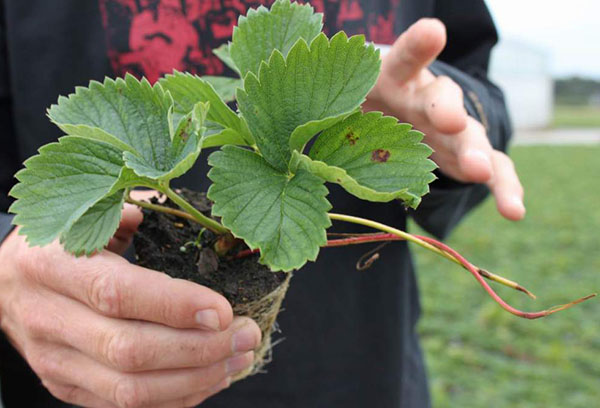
183,249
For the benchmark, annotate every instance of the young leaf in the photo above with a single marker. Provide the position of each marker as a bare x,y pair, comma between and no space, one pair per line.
284,216
373,157
184,150
315,87
224,55
261,31
225,87
188,89
61,184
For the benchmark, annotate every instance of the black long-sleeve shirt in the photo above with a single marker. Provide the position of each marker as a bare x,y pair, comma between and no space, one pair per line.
350,336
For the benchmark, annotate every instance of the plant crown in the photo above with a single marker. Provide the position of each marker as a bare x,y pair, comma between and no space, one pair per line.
268,188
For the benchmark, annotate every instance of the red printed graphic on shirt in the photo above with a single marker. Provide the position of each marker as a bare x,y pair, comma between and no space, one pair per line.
152,37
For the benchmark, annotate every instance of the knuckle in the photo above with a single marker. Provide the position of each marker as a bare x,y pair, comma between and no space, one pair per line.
66,393
207,354
34,263
36,324
27,262
55,390
123,352
104,294
504,159
38,320
129,393
45,365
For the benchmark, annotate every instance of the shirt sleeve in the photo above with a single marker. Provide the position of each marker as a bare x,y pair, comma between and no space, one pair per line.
471,37
5,226
8,154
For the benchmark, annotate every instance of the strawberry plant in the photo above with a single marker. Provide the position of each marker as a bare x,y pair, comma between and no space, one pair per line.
268,191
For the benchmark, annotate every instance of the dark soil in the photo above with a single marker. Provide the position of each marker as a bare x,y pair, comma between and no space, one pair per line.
167,243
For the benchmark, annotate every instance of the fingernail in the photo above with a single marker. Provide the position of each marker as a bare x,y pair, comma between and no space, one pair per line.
208,319
518,203
245,339
239,363
221,386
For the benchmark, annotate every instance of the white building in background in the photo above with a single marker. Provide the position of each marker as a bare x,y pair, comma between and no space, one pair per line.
523,72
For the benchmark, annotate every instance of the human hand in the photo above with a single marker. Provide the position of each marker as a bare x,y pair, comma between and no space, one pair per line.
100,332
407,90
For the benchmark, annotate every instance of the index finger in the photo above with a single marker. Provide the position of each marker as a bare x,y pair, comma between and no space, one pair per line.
110,285
415,49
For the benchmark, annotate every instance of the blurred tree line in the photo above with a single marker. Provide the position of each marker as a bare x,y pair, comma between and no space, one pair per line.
577,91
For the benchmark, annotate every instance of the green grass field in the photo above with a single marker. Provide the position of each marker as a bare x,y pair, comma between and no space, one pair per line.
576,116
478,355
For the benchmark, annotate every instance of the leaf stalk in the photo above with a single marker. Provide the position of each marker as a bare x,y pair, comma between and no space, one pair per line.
202,219
160,208
189,213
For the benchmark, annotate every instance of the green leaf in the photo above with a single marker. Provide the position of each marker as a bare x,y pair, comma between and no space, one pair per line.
283,215
223,137
293,99
188,89
224,86
224,55
95,228
184,151
127,113
373,157
62,183
136,118
261,31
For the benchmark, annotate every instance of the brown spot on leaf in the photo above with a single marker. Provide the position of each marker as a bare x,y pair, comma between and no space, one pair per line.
380,155
351,137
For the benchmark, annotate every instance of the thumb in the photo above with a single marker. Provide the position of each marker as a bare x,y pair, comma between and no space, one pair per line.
414,50
131,218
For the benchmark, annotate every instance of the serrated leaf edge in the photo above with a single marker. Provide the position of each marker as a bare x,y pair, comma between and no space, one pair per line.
254,245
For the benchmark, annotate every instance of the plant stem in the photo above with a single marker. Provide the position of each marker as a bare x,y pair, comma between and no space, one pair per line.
393,234
200,218
454,256
394,231
358,239
369,238
160,208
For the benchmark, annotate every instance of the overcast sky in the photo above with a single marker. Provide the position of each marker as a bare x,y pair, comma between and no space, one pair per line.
568,30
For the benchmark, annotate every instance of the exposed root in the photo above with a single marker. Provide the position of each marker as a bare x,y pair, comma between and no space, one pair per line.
358,239
264,312
449,253
494,295
367,260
